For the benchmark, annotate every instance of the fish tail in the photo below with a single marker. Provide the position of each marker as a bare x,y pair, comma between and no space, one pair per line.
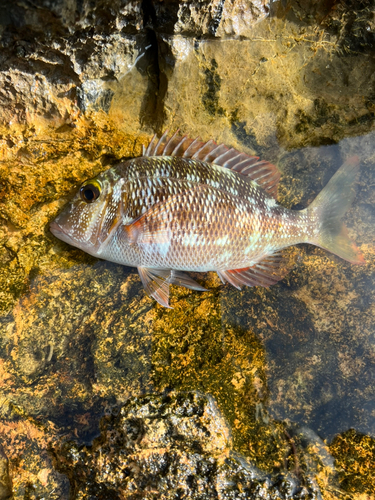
330,206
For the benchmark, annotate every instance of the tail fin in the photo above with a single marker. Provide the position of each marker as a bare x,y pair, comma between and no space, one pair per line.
330,206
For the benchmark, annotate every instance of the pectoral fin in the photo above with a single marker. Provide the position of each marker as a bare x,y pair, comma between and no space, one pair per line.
156,283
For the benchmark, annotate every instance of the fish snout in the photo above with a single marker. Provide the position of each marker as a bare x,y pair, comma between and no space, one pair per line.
55,229
59,233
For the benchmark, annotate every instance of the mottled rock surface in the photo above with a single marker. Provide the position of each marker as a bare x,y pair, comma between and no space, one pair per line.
289,369
175,446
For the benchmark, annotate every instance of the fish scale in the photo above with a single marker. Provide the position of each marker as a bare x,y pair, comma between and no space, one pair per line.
181,169
223,228
192,206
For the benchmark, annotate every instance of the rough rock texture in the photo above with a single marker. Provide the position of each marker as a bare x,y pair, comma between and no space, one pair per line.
207,18
176,446
306,75
83,84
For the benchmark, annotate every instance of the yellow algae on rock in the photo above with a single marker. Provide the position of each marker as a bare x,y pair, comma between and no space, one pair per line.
355,458
38,174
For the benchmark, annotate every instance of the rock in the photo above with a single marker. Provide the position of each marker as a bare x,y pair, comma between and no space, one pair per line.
208,19
26,466
242,90
74,350
5,481
352,451
50,83
169,446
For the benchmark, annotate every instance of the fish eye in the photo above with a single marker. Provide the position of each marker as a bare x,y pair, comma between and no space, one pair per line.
90,192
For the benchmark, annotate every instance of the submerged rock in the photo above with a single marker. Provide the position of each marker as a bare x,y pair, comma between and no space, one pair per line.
171,446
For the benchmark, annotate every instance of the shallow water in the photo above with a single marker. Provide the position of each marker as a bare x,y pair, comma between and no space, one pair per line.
291,368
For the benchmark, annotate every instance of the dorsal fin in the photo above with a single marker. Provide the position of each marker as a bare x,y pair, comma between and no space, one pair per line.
262,172
265,273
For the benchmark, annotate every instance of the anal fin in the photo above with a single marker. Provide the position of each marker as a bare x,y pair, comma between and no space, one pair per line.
265,273
156,283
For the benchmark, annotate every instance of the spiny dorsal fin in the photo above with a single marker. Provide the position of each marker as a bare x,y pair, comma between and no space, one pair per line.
265,273
264,173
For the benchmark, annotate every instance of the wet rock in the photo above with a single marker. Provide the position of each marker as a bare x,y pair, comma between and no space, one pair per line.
5,481
168,446
130,61
54,81
101,339
26,467
86,344
355,452
267,92
96,349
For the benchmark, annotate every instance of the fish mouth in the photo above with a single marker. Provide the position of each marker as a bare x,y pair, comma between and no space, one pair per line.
62,235
57,231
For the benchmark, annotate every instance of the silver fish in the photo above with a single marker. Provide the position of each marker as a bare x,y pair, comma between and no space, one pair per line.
186,205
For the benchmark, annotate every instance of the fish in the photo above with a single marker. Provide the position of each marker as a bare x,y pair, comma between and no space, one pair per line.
188,205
